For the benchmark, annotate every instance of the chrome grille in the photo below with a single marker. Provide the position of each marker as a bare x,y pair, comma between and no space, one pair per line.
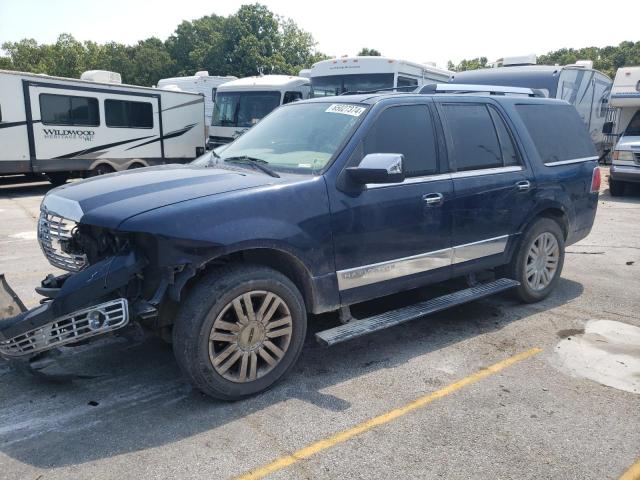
53,230
75,327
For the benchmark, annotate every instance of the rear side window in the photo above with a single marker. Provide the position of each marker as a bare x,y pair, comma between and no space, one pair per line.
69,110
125,114
407,130
474,137
557,132
507,147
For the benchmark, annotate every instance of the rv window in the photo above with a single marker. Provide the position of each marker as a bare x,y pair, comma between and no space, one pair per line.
125,114
474,138
291,97
407,82
69,110
557,132
633,129
213,94
408,130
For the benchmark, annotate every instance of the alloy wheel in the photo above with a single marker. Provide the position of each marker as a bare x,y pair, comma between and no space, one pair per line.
542,261
250,336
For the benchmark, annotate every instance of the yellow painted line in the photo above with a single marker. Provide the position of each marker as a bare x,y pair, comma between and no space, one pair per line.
348,434
633,473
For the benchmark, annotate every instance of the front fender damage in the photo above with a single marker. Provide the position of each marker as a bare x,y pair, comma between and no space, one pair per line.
83,305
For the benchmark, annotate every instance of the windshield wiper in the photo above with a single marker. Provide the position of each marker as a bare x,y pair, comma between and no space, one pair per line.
254,162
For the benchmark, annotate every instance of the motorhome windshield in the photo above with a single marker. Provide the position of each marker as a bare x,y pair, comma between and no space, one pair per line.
300,138
633,129
243,109
337,84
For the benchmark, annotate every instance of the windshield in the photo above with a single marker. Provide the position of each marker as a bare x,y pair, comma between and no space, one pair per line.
338,84
300,137
243,109
633,129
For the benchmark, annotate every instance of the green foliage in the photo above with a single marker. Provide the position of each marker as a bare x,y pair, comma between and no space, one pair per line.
251,41
606,59
369,52
473,64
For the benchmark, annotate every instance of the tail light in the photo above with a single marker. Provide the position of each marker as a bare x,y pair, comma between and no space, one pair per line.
595,180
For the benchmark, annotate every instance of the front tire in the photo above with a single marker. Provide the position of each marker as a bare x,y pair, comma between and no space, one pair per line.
240,329
616,188
538,263
57,178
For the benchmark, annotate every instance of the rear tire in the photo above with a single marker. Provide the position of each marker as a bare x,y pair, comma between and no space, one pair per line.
616,188
102,169
538,262
57,178
240,329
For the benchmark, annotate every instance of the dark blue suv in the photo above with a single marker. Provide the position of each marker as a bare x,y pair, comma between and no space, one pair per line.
324,204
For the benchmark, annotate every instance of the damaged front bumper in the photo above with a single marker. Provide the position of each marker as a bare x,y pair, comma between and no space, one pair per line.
80,306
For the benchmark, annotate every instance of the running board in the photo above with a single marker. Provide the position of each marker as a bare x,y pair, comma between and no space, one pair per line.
357,328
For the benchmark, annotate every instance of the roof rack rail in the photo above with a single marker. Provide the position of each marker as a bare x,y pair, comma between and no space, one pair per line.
410,88
490,89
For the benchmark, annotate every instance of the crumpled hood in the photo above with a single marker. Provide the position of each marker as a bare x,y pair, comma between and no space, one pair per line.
108,200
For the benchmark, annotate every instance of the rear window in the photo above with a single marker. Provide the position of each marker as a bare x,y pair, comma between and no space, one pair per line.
557,132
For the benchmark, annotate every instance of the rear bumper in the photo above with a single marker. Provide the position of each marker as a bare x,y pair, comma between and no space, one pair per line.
625,173
66,317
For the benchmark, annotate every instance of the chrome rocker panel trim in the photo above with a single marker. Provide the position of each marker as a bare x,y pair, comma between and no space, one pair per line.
400,267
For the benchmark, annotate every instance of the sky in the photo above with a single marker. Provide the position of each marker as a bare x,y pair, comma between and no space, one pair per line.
417,31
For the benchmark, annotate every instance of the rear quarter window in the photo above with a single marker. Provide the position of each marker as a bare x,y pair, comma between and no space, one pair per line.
557,132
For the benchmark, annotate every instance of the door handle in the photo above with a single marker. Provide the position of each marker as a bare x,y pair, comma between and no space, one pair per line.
433,199
523,186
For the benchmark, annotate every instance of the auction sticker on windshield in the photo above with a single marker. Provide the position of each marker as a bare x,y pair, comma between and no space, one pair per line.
346,109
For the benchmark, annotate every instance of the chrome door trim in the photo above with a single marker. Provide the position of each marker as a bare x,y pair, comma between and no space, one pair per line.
568,162
407,181
486,171
476,250
450,176
424,262
401,267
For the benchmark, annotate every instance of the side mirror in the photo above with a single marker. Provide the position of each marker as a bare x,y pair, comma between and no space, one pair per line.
607,128
378,168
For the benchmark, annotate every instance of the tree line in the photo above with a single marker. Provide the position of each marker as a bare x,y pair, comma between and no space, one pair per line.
606,59
253,40
248,42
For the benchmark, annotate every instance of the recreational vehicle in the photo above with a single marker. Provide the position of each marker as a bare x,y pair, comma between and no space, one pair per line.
362,74
61,126
579,84
201,83
625,97
240,104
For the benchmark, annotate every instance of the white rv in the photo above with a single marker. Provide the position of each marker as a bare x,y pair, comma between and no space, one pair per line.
625,161
59,126
201,83
363,74
240,104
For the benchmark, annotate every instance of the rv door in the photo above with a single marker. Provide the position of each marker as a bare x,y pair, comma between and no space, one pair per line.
73,129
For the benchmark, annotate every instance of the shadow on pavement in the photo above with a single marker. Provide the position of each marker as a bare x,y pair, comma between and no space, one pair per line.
142,401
